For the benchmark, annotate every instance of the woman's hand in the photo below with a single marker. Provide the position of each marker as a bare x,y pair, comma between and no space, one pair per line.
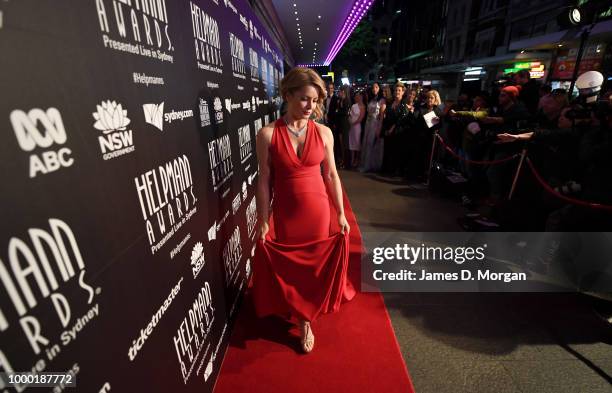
344,226
492,120
262,231
505,137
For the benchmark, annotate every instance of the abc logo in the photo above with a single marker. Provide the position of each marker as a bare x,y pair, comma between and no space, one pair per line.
38,128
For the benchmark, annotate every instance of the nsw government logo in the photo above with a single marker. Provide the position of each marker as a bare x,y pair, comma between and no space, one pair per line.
41,129
116,140
197,259
218,108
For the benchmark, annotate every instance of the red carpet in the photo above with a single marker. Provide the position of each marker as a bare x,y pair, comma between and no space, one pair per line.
355,349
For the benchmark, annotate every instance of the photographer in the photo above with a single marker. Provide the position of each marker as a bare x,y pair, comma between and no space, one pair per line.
583,135
512,116
473,146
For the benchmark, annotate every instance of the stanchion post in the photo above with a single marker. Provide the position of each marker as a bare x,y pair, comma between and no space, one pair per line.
518,171
431,156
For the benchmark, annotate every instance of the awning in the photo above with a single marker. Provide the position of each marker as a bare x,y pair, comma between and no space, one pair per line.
416,55
507,58
449,68
550,41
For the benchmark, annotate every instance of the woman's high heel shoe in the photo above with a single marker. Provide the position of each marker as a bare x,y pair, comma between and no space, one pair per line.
307,338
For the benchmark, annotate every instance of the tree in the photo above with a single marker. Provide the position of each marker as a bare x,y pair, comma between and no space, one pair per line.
358,55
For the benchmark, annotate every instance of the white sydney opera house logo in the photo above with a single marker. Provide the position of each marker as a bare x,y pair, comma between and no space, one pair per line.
110,117
212,231
154,115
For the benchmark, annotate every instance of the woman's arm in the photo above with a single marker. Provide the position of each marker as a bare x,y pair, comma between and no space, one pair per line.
493,120
477,114
381,117
505,137
262,196
362,113
331,177
354,114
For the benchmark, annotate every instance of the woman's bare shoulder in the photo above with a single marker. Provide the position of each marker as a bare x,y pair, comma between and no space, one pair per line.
324,131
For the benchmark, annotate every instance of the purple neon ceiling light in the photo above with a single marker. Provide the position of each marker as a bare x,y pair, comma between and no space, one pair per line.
360,7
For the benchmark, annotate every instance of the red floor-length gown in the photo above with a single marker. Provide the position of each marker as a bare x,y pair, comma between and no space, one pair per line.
303,270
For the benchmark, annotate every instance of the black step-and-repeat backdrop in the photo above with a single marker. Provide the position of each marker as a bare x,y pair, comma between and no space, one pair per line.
128,186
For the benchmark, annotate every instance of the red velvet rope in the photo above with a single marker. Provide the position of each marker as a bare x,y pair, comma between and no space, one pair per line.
538,177
564,197
492,162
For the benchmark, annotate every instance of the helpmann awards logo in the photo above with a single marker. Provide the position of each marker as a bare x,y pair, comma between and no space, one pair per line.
136,27
47,302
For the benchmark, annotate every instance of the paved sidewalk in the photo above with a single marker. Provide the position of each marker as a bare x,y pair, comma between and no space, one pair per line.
481,342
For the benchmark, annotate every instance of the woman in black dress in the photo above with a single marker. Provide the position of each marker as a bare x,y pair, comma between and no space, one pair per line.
425,133
397,119
342,123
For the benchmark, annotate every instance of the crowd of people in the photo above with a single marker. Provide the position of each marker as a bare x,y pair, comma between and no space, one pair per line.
390,130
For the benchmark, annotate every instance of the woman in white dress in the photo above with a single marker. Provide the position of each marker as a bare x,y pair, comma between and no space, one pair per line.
371,151
356,115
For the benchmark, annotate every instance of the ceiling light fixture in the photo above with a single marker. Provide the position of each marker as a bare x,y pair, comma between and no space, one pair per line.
360,7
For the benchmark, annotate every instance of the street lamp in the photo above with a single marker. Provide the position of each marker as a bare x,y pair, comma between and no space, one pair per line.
576,16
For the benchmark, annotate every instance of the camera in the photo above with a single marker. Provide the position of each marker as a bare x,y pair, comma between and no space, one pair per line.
599,110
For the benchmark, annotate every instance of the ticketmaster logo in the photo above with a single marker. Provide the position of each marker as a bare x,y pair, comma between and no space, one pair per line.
154,115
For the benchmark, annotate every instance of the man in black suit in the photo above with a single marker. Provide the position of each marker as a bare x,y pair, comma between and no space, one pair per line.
330,107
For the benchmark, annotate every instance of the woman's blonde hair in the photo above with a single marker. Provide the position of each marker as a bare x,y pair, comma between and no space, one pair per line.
400,84
387,91
300,77
436,95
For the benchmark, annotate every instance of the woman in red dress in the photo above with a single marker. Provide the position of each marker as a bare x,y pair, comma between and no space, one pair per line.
302,269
